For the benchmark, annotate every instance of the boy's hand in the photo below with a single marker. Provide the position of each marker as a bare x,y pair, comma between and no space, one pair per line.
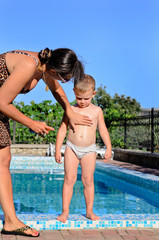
107,155
58,157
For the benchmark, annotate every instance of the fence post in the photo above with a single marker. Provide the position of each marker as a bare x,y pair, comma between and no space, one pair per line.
152,130
125,135
14,131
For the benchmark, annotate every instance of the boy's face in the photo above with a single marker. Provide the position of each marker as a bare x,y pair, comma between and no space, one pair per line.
84,99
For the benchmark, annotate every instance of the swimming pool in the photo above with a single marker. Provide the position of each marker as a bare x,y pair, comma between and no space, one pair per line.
36,192
123,197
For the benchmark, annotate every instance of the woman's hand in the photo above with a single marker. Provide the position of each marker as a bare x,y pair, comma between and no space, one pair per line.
60,96
41,127
79,119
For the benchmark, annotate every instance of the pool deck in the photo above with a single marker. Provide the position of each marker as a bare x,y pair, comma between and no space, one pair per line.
107,234
127,233
134,167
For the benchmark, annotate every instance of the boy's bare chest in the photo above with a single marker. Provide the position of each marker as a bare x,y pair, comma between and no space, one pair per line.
91,112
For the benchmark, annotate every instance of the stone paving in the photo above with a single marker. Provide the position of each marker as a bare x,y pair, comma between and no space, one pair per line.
108,234
135,167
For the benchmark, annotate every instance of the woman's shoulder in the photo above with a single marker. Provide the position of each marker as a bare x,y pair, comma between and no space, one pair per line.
32,57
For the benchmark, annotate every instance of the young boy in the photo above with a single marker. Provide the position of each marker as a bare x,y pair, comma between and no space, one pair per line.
81,148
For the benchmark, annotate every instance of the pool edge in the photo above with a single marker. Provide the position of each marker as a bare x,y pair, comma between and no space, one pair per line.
49,222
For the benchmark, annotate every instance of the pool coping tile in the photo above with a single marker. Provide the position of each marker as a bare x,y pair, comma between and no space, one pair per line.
77,221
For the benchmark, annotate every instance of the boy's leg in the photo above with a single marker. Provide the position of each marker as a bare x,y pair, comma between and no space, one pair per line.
71,163
88,166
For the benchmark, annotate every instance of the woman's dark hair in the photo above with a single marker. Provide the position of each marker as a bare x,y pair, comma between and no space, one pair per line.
64,61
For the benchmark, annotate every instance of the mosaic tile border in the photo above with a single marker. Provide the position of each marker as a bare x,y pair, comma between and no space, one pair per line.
144,180
49,222
104,166
34,162
48,163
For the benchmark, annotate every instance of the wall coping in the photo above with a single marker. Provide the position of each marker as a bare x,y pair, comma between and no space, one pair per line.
29,145
137,152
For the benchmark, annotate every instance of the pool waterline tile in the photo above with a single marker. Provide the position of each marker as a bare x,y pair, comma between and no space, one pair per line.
144,180
77,221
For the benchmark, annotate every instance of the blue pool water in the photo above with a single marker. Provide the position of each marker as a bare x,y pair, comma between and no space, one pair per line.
37,192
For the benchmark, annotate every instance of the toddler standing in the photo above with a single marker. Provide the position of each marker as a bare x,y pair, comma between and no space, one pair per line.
81,147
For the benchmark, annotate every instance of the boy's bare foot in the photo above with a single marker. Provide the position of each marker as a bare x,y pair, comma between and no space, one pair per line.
92,216
63,217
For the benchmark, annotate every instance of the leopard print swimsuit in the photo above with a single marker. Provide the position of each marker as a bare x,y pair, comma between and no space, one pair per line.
5,139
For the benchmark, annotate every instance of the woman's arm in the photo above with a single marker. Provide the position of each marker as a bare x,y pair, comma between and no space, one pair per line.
60,96
22,73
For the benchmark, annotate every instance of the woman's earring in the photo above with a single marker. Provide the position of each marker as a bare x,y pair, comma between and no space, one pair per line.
46,88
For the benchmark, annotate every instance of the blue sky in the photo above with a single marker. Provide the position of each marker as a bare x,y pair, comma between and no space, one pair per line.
117,40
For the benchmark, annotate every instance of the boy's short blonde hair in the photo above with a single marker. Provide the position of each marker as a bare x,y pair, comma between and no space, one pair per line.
85,84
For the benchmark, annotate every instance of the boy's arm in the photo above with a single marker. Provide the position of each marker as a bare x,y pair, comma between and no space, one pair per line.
105,136
61,134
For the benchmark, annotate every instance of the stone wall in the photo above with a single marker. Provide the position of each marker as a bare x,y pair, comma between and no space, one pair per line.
145,159
29,149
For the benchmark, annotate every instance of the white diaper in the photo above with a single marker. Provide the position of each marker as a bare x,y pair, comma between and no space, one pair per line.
81,151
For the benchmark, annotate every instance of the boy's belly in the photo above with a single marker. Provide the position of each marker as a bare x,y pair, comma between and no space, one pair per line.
83,137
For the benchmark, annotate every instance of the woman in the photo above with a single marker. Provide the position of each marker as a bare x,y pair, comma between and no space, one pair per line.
20,71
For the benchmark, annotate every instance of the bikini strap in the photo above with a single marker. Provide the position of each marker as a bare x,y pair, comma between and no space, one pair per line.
19,52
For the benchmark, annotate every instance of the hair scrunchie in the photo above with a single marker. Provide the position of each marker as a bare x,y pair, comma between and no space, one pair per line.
45,55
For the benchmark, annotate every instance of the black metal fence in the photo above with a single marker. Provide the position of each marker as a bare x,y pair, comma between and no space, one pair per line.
141,132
